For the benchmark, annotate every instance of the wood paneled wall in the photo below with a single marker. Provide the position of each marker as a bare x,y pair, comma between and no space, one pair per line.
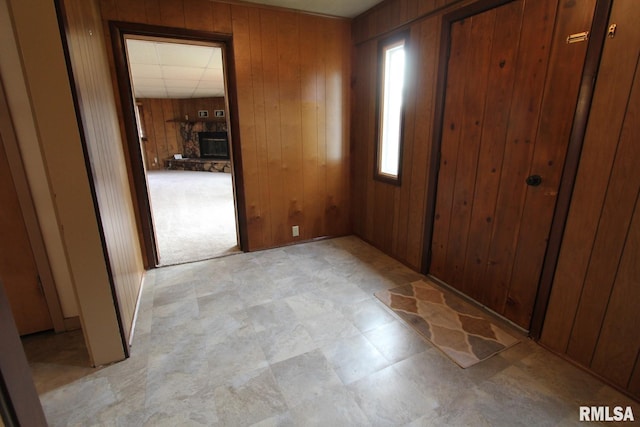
292,77
393,217
161,136
392,14
105,151
593,312
161,119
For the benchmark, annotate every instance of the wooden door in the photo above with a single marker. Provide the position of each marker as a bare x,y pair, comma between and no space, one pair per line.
511,91
18,268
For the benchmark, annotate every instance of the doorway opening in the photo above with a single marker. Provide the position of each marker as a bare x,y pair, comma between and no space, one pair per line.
181,116
182,145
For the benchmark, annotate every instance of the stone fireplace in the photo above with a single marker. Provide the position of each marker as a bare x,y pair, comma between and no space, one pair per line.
205,147
214,145
189,132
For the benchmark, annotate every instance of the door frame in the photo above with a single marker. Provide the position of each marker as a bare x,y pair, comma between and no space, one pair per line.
574,148
119,30
21,184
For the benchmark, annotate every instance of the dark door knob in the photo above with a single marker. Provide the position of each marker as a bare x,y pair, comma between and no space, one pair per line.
534,180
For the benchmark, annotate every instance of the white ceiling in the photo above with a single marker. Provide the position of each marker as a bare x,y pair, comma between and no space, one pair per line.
173,70
344,8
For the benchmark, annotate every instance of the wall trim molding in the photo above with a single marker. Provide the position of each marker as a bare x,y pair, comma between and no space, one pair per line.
72,323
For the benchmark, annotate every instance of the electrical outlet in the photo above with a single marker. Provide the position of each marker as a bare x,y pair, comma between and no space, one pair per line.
295,231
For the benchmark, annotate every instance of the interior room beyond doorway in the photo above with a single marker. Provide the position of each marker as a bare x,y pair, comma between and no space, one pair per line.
182,120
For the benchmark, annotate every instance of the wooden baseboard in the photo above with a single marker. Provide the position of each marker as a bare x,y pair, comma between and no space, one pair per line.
72,323
605,380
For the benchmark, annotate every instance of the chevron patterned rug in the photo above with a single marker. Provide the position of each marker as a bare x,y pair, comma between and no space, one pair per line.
461,331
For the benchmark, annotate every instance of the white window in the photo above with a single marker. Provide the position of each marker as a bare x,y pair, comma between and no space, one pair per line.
390,110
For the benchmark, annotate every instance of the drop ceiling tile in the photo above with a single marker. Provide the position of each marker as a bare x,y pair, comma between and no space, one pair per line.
216,58
176,68
150,93
148,82
180,83
206,93
213,74
213,85
184,55
209,90
146,71
179,72
141,52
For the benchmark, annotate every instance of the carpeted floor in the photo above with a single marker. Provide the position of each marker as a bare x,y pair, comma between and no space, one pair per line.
193,214
459,330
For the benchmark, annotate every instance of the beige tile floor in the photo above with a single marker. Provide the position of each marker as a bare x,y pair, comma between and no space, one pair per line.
294,337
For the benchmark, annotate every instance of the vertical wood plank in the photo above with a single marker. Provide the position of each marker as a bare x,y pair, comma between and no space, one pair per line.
634,382
429,43
395,224
452,128
277,203
323,135
498,103
222,17
134,10
109,9
359,143
157,128
172,13
310,73
412,9
619,342
345,140
413,64
617,212
337,130
198,15
244,55
172,130
370,132
471,123
152,8
291,132
380,205
426,6
261,126
151,142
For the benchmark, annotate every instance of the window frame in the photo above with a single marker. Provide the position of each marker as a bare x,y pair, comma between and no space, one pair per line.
383,45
